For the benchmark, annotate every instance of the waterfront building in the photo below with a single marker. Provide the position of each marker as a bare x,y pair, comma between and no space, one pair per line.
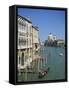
24,42
60,42
35,39
27,42
52,37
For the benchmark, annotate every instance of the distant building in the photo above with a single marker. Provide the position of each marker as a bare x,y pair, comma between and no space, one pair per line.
51,37
60,42
54,37
53,41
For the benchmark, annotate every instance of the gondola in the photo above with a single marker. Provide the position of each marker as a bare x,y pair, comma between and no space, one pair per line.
42,73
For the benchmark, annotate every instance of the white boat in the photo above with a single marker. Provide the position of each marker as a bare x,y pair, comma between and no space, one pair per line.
61,54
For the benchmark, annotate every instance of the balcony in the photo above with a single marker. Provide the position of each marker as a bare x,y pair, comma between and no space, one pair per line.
22,31
24,47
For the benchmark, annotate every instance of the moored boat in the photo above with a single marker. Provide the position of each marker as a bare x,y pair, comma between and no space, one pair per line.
42,73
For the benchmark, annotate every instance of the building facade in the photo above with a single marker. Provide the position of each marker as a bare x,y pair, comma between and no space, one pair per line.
24,42
27,42
52,37
35,39
60,42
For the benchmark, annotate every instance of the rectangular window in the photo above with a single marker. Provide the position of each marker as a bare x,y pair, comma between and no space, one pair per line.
22,60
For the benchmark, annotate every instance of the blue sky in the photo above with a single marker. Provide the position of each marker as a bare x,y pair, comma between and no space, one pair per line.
48,21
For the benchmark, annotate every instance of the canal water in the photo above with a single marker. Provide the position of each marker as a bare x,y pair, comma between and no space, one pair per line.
55,61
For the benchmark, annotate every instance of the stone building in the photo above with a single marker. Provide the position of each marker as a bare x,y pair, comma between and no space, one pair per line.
35,38
28,41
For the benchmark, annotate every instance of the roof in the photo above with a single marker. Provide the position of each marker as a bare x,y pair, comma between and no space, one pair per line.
22,17
36,28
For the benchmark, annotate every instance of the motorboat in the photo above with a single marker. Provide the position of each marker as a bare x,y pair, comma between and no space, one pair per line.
60,54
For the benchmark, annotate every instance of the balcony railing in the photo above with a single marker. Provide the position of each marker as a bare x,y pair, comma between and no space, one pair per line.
24,47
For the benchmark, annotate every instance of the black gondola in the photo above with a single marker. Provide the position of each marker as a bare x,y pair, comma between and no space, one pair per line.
42,73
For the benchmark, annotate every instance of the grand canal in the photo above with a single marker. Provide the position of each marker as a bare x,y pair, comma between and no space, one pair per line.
55,61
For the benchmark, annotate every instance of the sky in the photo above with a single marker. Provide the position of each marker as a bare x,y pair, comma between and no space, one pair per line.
48,21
